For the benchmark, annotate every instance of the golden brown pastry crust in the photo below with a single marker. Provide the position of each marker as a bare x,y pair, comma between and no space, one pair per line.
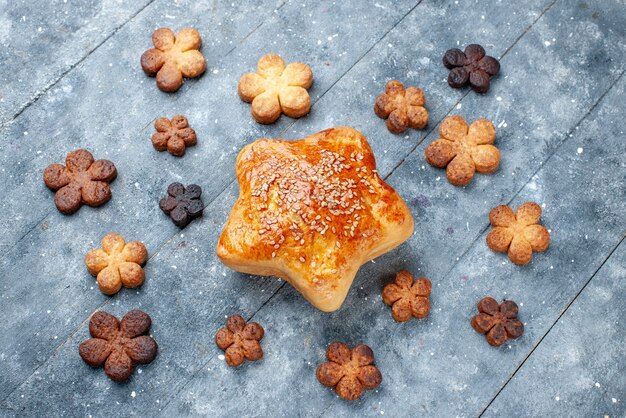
312,211
464,149
276,88
174,57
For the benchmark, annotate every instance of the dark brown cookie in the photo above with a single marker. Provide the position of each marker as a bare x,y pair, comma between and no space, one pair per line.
240,340
498,322
471,66
408,298
349,371
182,204
173,135
82,180
119,344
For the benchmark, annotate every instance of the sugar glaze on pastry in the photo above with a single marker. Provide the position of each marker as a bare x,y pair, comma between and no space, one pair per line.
312,211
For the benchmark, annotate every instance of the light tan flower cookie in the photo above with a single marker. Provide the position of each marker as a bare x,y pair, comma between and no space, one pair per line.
276,88
117,264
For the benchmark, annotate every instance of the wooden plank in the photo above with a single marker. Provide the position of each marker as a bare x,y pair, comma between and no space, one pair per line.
55,248
412,53
579,365
456,379
107,105
182,356
439,366
41,41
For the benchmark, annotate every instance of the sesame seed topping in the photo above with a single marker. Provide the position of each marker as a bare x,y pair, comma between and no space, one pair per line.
301,195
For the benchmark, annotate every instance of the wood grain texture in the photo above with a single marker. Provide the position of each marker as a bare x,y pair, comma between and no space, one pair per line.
560,85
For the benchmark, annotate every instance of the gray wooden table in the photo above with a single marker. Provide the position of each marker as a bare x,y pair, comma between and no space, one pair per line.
70,78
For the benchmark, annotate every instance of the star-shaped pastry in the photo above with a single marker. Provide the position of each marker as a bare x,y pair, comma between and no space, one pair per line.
312,211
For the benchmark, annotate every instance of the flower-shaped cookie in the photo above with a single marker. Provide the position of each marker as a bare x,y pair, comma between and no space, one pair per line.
81,180
471,66
173,57
117,263
275,88
117,344
349,371
519,233
408,298
182,204
499,322
173,135
401,107
240,340
464,149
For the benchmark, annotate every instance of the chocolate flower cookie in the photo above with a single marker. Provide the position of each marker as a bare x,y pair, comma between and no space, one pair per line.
173,135
408,298
117,263
240,340
117,344
173,57
464,149
182,204
471,66
276,88
349,371
518,234
498,322
81,180
403,108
